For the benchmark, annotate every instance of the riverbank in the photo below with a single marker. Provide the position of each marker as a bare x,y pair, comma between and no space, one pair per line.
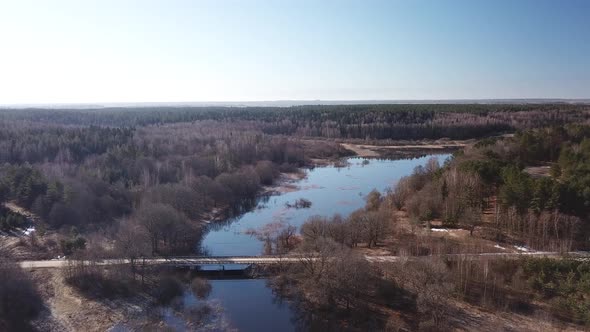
68,310
404,151
285,183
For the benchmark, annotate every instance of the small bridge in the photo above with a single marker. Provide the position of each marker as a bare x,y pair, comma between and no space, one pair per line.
231,260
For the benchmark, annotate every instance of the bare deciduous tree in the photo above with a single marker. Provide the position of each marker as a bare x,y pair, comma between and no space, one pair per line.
133,242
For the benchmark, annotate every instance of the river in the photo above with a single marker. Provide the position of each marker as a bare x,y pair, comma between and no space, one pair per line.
249,305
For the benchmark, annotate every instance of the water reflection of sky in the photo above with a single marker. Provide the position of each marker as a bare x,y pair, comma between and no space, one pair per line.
330,189
243,305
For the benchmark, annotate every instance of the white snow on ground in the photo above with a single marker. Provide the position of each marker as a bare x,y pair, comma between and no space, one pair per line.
440,230
522,248
499,247
29,230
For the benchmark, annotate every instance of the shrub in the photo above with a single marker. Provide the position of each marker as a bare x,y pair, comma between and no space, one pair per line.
167,289
19,299
201,287
94,281
69,246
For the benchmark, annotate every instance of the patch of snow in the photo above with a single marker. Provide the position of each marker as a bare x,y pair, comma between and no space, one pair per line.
440,230
29,230
522,248
499,247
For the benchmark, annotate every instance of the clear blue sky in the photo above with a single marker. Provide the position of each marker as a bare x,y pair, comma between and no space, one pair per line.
172,50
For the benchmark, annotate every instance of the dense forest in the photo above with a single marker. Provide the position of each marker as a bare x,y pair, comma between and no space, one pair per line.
430,121
142,182
91,168
86,176
81,167
547,211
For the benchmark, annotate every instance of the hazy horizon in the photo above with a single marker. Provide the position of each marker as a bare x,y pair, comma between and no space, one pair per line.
289,103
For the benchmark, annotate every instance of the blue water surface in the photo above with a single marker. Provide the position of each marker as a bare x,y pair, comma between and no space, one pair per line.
330,189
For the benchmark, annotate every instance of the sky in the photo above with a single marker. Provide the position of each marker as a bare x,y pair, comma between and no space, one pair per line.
85,51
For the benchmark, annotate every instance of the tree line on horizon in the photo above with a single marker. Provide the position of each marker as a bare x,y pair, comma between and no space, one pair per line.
388,121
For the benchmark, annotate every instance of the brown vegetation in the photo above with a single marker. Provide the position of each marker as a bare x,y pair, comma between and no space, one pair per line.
20,301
